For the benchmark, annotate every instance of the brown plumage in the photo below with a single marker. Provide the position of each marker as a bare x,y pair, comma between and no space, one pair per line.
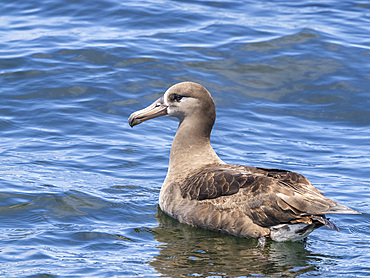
274,196
203,191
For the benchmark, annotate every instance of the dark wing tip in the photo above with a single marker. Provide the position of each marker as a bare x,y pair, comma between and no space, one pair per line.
326,222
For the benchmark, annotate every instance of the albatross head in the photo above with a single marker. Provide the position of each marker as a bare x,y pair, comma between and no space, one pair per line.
182,100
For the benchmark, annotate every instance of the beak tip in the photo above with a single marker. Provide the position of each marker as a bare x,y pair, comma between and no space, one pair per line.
131,123
132,120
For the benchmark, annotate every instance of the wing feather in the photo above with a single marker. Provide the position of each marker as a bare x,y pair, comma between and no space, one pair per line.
268,196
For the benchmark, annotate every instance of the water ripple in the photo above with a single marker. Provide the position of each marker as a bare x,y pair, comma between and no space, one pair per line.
79,187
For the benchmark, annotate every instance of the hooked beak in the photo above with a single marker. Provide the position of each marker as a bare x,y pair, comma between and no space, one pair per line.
156,109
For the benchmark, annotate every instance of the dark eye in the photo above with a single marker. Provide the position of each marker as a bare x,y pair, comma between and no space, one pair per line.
177,97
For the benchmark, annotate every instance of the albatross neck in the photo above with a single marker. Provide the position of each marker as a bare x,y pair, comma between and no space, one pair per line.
191,148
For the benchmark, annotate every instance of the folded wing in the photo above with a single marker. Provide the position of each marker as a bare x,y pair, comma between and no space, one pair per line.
268,196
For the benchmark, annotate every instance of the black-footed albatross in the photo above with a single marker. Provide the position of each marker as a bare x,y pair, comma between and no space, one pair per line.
203,191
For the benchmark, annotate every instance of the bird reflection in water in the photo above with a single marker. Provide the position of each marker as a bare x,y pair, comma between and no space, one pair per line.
186,250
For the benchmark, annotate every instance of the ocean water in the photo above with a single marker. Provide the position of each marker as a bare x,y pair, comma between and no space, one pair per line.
79,188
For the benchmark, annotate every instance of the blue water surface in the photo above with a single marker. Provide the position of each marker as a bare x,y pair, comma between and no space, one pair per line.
79,188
